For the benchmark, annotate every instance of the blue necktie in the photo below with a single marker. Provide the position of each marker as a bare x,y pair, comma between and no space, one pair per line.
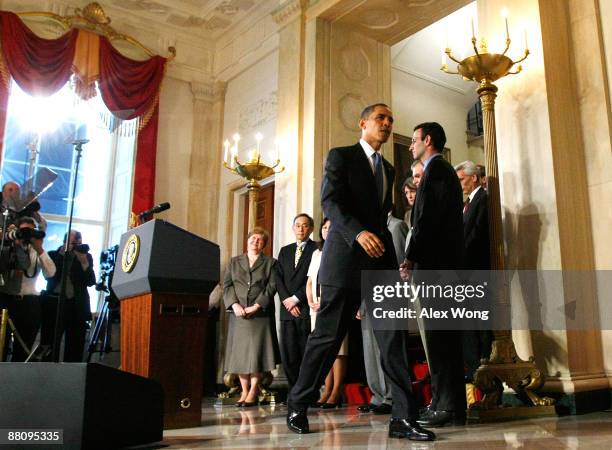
378,175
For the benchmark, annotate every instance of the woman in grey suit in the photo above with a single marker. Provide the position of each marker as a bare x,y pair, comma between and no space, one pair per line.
248,292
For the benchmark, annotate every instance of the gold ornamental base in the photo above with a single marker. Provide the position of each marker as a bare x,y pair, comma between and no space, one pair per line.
504,413
230,397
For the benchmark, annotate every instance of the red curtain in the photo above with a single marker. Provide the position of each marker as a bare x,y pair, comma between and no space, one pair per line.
39,66
129,88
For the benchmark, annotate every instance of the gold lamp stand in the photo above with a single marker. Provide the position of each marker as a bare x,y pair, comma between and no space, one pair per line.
504,365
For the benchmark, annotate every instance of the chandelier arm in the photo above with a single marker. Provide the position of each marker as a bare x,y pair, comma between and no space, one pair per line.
508,41
523,58
449,54
444,69
519,69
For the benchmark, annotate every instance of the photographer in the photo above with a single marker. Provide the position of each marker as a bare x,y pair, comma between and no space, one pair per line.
13,261
76,311
27,314
11,196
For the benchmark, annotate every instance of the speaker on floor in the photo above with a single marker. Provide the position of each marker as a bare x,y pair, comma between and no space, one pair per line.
96,406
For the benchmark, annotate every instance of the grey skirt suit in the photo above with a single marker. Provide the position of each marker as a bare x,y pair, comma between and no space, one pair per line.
252,345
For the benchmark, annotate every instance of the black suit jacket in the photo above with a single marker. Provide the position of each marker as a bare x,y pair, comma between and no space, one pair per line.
291,279
476,233
350,199
437,226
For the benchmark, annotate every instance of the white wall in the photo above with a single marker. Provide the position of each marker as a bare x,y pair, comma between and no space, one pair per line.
250,107
174,149
416,100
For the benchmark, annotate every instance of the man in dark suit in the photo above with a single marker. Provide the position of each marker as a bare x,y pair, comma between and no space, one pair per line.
436,243
476,343
75,311
356,196
291,277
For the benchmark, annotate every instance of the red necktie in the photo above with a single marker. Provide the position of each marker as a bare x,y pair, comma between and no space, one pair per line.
466,206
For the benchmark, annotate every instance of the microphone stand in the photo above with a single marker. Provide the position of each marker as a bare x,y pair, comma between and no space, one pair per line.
57,335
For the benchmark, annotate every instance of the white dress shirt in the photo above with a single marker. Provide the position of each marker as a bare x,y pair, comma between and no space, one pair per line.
37,263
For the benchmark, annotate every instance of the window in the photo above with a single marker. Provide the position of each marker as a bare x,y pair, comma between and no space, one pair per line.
39,134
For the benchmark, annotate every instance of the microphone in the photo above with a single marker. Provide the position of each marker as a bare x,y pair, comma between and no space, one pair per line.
156,209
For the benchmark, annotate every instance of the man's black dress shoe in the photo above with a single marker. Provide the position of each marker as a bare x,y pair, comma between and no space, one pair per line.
297,422
366,408
409,429
383,408
442,419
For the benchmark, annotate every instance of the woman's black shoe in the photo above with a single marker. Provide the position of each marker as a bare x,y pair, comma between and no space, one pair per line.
249,404
331,405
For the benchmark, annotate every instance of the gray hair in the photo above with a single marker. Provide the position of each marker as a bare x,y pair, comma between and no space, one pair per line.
415,163
469,168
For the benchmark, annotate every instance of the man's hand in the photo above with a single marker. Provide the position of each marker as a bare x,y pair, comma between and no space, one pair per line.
371,244
358,316
405,270
291,305
37,244
82,257
238,310
251,310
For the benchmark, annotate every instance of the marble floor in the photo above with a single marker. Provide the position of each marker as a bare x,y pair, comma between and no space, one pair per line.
346,428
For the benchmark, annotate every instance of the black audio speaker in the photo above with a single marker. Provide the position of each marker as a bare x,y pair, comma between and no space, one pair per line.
96,406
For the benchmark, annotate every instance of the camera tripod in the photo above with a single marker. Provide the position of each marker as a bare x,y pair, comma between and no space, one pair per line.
102,331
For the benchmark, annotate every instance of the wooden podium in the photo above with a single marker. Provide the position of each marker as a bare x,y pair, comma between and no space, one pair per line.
163,277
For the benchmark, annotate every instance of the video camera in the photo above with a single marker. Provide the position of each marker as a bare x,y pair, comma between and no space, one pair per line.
108,259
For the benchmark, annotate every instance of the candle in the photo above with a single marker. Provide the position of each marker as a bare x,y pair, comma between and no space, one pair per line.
234,153
226,146
258,138
443,58
473,33
525,37
505,16
277,145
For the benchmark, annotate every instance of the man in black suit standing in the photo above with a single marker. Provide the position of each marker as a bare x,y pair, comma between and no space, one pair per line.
436,243
356,196
291,277
476,343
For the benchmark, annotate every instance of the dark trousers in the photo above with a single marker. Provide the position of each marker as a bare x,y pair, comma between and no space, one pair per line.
338,307
72,324
27,319
445,352
294,334
476,345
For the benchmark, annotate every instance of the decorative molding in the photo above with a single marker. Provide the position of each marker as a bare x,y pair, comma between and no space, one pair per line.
418,3
379,19
349,109
430,79
287,12
258,113
354,63
211,91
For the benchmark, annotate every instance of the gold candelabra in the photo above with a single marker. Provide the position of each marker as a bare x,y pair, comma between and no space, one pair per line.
504,365
254,170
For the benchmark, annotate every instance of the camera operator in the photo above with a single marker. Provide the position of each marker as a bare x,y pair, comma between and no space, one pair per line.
76,311
28,311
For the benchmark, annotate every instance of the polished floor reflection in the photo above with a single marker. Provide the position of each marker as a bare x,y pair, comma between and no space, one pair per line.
264,428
